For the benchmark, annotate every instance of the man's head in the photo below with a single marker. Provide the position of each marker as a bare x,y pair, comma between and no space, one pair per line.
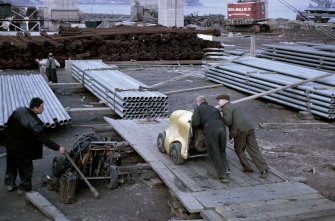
50,55
200,99
36,105
222,99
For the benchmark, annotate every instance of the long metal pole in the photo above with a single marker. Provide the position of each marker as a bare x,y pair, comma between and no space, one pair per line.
281,88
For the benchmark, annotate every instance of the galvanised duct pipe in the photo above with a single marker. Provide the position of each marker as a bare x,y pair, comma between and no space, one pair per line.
118,79
296,61
17,91
301,49
270,82
45,116
268,86
313,58
120,92
57,107
285,69
240,87
277,78
256,88
239,77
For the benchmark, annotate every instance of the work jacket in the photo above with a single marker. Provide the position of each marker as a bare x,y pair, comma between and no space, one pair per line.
205,115
52,63
24,137
235,119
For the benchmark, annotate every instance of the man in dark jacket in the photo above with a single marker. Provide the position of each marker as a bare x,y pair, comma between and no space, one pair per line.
24,141
243,133
208,118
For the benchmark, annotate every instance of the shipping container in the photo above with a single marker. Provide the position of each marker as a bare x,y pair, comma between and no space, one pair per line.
250,10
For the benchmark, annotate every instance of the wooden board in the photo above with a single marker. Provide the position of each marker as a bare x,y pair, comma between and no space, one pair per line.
295,207
213,198
196,174
45,206
195,186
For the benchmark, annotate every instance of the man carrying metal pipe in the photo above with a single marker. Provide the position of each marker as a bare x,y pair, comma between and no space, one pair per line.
243,133
50,64
24,139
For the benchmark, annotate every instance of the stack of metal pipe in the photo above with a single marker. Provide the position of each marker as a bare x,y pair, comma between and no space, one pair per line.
315,56
256,75
127,97
17,91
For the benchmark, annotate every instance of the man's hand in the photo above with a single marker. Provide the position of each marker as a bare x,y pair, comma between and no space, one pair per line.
61,150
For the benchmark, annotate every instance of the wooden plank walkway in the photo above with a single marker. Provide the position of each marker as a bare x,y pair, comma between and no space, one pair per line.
245,197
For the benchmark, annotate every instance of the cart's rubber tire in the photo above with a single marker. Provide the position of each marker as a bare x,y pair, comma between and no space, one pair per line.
113,182
175,154
58,166
160,142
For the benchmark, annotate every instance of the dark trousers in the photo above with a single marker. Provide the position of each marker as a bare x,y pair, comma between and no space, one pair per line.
246,141
20,166
52,75
215,140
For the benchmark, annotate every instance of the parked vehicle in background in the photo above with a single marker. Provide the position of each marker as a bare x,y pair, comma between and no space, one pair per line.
247,16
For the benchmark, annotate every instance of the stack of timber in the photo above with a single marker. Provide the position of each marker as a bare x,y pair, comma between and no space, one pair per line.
312,55
17,91
127,97
244,197
256,75
112,44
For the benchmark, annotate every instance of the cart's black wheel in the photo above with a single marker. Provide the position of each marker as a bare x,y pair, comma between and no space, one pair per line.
113,182
58,166
175,154
160,142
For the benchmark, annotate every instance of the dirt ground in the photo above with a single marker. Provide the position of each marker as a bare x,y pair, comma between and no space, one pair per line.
295,152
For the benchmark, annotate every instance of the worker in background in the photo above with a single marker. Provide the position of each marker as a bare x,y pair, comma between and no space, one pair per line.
50,65
243,133
209,119
24,139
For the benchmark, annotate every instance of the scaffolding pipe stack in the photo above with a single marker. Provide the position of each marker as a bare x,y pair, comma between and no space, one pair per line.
17,91
127,97
316,56
256,75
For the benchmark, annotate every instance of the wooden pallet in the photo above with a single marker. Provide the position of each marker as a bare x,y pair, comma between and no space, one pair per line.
245,197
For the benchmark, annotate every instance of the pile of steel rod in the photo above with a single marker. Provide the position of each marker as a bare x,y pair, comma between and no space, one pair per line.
127,97
17,91
256,75
315,56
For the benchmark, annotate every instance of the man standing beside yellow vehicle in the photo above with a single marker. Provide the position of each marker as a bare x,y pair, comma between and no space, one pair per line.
209,119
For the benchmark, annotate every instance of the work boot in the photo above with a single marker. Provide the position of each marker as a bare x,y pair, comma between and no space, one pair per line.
21,192
247,170
223,179
264,173
11,188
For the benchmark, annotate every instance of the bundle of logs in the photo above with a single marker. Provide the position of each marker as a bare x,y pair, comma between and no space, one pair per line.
113,44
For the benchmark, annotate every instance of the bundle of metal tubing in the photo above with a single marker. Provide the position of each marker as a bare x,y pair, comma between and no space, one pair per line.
256,75
17,91
315,56
127,97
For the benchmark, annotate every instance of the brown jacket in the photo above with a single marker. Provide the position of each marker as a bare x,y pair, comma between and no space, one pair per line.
235,119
